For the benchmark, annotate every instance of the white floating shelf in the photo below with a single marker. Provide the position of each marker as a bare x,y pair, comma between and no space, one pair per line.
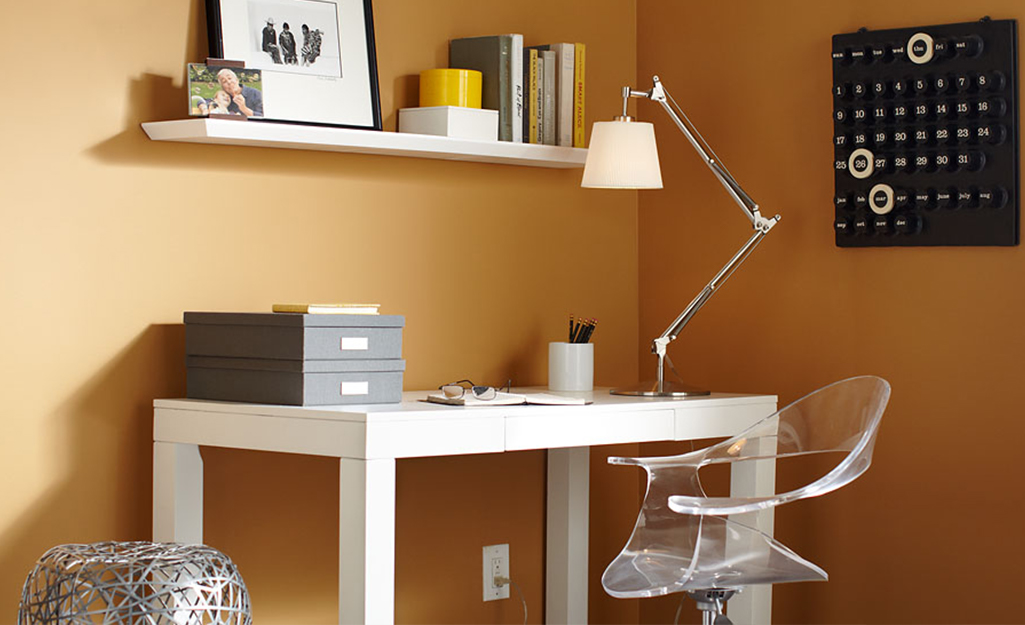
327,139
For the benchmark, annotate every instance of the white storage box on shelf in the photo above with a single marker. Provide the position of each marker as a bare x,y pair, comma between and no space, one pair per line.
450,121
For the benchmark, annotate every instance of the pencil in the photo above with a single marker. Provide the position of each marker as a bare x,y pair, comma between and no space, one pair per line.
590,330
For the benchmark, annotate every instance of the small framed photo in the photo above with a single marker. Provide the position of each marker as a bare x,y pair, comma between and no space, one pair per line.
225,91
317,57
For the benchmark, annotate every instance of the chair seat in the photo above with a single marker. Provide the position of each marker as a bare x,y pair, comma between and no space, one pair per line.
746,557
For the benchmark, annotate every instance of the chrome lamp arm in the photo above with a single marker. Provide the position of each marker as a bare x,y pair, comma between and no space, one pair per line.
761,226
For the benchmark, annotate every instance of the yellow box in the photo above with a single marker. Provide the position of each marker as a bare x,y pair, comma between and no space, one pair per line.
450,87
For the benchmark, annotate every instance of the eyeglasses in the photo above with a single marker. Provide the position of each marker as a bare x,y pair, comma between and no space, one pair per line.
455,390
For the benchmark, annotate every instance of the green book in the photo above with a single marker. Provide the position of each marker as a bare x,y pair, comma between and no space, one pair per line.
492,57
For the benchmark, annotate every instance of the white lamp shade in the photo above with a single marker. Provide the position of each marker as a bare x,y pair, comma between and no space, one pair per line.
622,155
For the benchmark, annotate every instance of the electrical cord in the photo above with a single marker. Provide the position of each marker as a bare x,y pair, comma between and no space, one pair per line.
673,368
502,581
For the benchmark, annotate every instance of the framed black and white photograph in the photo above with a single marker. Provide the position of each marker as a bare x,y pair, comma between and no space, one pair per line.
316,57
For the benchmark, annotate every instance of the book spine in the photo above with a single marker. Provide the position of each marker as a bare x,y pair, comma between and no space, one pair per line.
540,95
516,87
528,93
525,122
505,101
578,96
549,99
532,98
564,84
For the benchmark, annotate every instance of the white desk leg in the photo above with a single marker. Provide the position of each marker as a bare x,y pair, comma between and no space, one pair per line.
177,493
567,535
366,541
752,479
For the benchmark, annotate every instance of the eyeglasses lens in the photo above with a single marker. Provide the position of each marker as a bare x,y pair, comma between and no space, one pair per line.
485,392
453,391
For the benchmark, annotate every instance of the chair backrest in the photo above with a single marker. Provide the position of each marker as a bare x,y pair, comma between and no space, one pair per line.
842,417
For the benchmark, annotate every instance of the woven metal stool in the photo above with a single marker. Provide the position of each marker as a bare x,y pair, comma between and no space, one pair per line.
134,583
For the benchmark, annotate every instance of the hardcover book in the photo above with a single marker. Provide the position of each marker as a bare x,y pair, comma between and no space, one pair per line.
564,83
327,309
517,87
548,97
531,60
539,94
578,96
493,57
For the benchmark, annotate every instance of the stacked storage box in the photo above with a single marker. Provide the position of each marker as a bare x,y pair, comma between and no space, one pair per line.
294,359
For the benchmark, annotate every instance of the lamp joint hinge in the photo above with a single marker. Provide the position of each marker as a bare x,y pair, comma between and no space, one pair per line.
657,93
761,223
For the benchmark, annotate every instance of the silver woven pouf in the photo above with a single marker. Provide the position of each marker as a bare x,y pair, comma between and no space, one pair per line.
134,583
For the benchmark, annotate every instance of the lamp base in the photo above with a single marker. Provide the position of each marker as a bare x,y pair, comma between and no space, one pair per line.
668,389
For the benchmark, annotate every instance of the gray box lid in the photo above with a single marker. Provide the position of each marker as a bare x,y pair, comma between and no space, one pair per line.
296,366
295,320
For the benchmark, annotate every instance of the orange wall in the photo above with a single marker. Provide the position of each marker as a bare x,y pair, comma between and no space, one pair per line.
942,503
107,237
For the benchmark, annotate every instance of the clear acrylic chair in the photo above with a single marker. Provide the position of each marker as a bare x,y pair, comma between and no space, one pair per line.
686,541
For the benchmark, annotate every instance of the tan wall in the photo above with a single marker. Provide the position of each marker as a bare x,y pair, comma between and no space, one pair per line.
107,237
942,503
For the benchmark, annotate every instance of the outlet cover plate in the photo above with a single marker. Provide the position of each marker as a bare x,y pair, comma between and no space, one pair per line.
496,564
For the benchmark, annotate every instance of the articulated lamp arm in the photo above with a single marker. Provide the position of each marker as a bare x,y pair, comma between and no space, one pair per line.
658,346
761,226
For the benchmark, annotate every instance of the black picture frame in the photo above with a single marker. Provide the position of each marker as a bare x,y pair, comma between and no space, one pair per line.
330,80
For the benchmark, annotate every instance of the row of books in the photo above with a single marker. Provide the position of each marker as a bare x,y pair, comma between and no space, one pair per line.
538,91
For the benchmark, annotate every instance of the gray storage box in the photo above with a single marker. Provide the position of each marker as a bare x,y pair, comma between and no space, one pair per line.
295,382
287,336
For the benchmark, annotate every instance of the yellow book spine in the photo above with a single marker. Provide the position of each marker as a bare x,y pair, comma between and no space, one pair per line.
578,97
532,105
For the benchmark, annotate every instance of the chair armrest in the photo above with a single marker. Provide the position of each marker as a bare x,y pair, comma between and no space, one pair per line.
723,506
656,462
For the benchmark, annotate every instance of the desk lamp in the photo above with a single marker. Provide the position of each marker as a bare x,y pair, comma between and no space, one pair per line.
623,155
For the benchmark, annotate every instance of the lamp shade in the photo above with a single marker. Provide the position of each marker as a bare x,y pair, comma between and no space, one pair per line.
622,155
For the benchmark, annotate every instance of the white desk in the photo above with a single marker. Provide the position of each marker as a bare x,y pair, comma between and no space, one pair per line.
367,440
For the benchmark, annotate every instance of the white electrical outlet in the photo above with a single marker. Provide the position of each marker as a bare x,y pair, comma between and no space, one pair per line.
496,564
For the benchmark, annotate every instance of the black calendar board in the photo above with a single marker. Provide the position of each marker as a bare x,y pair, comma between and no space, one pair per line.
926,135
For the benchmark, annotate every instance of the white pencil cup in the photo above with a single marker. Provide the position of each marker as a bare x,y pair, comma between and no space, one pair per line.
571,366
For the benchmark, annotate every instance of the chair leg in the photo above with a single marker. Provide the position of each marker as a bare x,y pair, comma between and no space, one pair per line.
711,603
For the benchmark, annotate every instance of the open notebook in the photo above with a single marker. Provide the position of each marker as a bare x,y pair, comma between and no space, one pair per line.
507,399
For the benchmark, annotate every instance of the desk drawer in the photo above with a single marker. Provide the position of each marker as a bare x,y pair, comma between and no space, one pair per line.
718,421
581,427
435,437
